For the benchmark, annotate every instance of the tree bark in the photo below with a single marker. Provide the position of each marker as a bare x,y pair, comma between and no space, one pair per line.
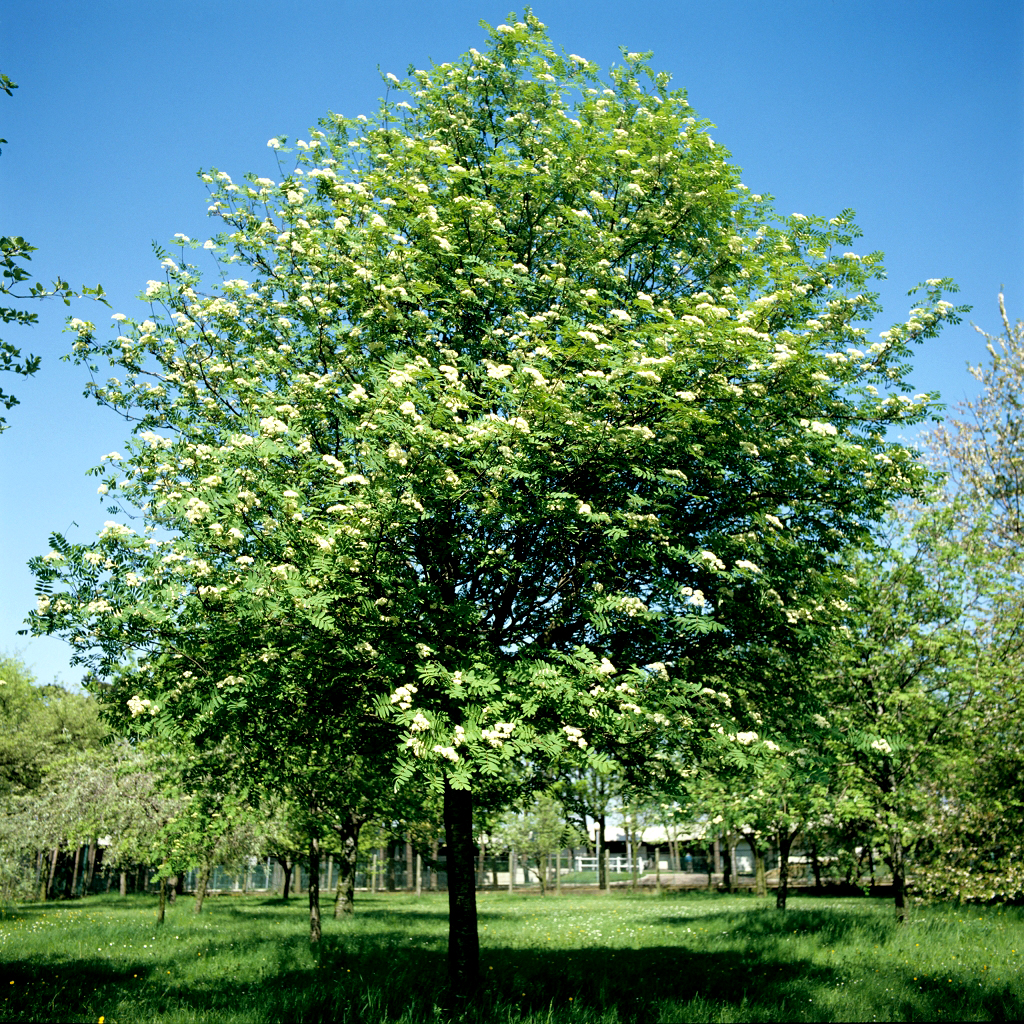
348,835
419,874
785,845
463,938
482,868
727,865
163,901
48,891
433,866
201,883
389,870
124,882
760,881
90,861
602,856
816,865
899,881
74,871
512,863
286,875
314,890
410,867
172,889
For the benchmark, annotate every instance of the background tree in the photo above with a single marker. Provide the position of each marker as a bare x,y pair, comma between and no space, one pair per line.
910,668
474,434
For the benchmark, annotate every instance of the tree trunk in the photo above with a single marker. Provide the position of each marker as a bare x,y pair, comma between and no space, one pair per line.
172,889
760,881
785,845
410,867
602,856
657,869
712,863
433,866
419,874
463,939
727,865
201,883
389,871
558,873
481,880
90,865
124,883
48,891
348,834
512,863
297,882
314,890
899,881
816,865
162,907
286,875
74,871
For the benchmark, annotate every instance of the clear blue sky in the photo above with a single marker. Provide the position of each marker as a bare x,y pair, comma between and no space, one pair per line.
908,111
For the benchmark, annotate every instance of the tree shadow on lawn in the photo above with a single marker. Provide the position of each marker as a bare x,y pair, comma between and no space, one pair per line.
387,980
765,922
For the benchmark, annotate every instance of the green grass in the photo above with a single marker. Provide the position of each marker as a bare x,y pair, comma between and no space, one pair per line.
576,958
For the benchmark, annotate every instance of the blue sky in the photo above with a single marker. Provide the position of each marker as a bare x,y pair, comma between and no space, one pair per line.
908,111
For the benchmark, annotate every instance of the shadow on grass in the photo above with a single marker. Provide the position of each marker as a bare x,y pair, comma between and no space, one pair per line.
388,983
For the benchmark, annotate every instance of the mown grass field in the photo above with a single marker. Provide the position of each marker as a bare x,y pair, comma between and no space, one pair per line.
575,958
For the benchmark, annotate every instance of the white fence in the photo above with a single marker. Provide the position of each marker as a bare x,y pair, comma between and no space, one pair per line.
617,863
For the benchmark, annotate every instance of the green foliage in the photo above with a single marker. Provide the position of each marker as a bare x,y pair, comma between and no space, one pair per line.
40,725
468,447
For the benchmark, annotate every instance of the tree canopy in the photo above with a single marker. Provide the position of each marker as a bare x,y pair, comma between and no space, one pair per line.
505,408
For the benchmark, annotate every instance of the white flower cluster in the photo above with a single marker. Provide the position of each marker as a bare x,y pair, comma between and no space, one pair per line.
403,696
137,704
499,734
575,736
712,559
882,746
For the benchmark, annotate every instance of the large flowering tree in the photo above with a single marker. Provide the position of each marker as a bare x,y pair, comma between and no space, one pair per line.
504,407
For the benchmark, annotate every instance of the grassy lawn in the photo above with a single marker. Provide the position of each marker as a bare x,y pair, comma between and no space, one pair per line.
578,957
